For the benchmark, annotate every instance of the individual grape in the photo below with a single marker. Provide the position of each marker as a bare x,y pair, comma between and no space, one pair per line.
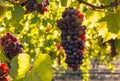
68,52
83,27
61,27
78,21
68,38
72,42
10,45
3,70
74,24
35,6
80,32
70,32
74,49
72,36
81,47
70,47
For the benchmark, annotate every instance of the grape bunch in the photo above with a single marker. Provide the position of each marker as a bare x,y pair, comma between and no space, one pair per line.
72,37
3,72
32,5
11,47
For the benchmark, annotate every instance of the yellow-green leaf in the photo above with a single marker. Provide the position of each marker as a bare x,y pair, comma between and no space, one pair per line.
20,65
42,69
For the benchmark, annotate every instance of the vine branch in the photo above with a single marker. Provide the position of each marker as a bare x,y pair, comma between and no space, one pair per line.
93,7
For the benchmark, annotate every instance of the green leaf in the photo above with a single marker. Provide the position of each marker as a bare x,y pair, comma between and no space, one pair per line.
18,26
3,58
109,26
35,19
17,13
102,29
118,7
107,36
1,1
39,1
106,1
117,44
24,64
92,17
64,3
20,65
14,67
112,21
42,69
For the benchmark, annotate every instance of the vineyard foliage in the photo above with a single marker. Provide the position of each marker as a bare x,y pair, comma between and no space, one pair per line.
41,38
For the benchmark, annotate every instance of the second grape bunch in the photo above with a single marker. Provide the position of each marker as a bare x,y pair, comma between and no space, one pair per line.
32,5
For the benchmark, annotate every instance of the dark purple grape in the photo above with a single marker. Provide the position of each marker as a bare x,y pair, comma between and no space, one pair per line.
70,32
71,57
64,41
76,45
40,9
30,8
74,24
73,65
75,37
68,52
83,27
70,47
66,60
71,61
71,12
61,27
74,49
77,62
72,42
23,4
64,14
81,47
13,44
77,56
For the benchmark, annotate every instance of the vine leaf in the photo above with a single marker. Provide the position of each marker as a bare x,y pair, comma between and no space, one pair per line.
105,1
35,19
39,1
102,30
3,58
1,1
42,70
64,2
19,65
117,44
108,35
112,22
17,13
109,26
